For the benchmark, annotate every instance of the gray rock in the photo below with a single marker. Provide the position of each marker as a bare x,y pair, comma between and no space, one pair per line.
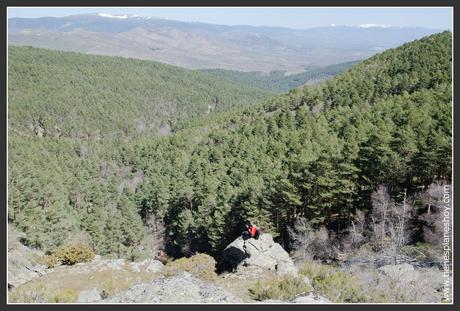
135,266
18,275
154,266
311,299
116,264
264,253
88,296
182,288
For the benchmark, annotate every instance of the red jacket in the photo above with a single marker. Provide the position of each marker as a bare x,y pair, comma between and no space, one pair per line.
252,231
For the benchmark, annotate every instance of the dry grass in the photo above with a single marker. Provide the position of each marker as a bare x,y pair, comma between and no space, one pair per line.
282,288
32,292
38,292
422,286
200,265
64,283
237,283
367,285
333,284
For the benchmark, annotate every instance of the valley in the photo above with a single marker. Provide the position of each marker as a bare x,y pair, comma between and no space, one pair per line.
113,160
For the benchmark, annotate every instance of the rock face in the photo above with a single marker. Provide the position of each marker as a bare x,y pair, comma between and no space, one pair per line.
264,253
182,288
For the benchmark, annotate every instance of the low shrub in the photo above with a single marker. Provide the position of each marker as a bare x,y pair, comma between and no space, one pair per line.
72,254
200,265
338,286
283,288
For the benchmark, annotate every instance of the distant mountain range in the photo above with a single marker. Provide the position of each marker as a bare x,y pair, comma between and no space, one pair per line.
200,45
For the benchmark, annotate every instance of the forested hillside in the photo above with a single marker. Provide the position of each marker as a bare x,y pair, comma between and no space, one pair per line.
75,95
317,153
278,81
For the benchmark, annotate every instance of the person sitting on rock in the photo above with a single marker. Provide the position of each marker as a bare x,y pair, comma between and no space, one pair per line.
252,231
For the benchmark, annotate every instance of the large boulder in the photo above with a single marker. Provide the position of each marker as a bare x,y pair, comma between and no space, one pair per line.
263,252
181,288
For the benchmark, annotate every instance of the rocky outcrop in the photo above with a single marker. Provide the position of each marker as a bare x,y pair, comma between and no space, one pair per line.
182,288
263,252
23,262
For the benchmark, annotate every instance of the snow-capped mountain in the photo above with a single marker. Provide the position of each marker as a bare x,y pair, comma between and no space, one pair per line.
200,45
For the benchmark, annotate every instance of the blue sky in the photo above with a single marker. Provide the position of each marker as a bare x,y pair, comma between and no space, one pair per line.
299,18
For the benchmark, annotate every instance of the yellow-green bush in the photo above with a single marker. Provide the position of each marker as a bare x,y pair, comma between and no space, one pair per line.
283,288
72,254
335,285
199,265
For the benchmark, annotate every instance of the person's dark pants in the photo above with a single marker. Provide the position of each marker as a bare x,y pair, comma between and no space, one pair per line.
245,235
